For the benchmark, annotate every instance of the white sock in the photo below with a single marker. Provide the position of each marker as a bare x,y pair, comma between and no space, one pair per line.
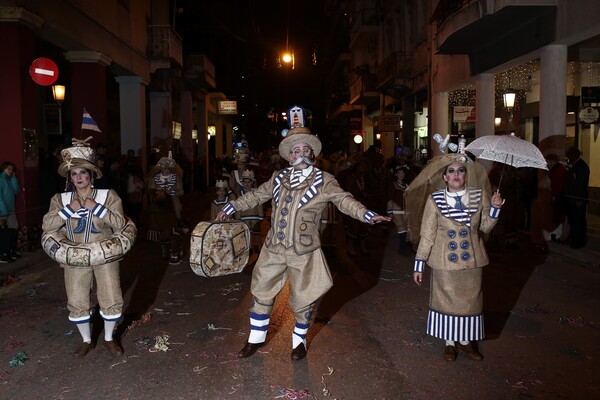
85,331
449,342
464,343
109,327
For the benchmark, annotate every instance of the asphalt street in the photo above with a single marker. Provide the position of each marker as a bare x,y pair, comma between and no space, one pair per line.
181,332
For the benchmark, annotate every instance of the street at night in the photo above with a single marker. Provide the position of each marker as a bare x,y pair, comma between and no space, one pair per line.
368,340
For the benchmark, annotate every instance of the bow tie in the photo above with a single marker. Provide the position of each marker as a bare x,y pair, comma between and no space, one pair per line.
295,178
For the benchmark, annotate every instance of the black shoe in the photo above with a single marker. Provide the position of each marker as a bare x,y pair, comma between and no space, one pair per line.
299,352
249,349
5,259
14,255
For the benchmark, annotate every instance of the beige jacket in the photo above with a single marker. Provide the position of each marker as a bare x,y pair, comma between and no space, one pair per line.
296,215
451,239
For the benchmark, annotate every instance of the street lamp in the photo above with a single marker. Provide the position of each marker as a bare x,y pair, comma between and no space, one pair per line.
58,93
509,98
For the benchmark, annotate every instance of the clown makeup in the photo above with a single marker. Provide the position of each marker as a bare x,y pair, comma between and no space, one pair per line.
455,176
301,154
80,178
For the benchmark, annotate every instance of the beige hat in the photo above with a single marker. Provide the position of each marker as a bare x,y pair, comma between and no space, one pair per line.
80,155
248,174
222,184
166,162
298,133
241,158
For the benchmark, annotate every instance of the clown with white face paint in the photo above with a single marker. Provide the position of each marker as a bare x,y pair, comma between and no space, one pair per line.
292,249
87,215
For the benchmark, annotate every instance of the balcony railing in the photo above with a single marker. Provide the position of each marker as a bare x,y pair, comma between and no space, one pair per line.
164,42
363,86
395,66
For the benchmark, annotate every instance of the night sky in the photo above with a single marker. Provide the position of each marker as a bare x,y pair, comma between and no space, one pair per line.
243,38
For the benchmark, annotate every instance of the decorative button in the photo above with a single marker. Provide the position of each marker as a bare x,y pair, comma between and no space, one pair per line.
452,233
282,223
303,226
465,256
452,245
464,245
464,233
284,211
288,198
452,257
280,236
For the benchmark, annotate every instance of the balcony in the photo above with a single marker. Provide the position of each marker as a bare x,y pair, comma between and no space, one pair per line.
493,32
200,72
364,91
164,47
365,27
394,74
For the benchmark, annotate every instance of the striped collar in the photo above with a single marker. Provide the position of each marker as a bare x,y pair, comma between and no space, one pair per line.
460,216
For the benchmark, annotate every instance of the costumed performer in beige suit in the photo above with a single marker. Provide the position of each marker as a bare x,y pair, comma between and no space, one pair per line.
88,215
292,249
454,220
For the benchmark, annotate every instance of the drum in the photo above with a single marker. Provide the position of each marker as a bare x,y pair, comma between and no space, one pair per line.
219,248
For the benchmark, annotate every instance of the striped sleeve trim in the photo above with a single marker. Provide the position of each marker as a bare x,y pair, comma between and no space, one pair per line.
99,210
67,212
494,212
369,216
229,209
419,265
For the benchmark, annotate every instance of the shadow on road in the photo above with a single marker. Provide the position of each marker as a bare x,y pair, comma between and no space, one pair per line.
504,279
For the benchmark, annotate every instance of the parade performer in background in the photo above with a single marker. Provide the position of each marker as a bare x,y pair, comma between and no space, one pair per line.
451,243
88,215
223,196
395,206
292,249
165,187
253,216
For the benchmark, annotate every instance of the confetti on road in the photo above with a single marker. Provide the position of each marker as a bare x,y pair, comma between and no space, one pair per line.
18,360
212,327
293,394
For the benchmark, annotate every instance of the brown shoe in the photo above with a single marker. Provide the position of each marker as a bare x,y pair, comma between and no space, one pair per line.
114,348
249,349
450,353
470,350
83,349
299,352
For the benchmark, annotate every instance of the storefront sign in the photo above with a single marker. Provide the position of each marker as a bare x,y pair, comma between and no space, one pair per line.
390,123
227,107
464,114
589,115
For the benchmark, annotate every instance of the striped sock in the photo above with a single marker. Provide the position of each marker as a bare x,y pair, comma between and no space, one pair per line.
259,325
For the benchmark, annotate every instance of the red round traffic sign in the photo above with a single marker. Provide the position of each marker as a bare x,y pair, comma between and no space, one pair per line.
43,71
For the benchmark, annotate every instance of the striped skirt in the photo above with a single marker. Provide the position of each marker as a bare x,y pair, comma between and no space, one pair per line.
456,305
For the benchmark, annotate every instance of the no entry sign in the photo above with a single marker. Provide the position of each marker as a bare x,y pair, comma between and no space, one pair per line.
43,71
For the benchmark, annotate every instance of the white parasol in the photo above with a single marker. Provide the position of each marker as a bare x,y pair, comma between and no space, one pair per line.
508,149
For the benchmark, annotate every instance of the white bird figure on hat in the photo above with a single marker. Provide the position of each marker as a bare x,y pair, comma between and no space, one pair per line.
445,142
